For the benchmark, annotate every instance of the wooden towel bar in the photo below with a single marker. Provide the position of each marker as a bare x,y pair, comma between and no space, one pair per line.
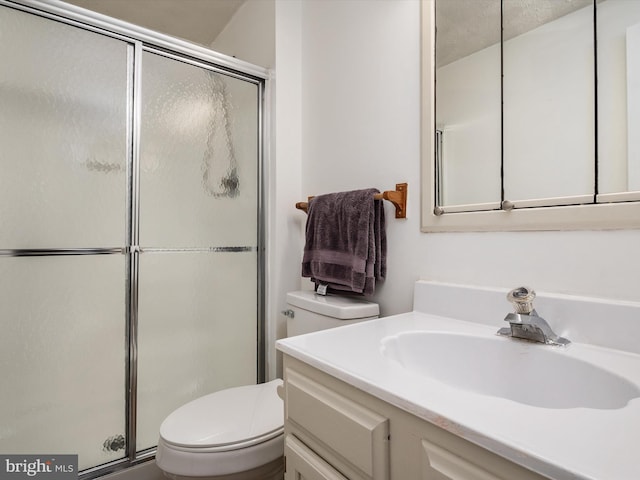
398,197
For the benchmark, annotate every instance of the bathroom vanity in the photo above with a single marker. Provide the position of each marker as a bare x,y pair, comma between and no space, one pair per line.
435,394
334,431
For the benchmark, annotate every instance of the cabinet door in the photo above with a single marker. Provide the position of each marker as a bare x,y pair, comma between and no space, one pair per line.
441,464
357,435
304,464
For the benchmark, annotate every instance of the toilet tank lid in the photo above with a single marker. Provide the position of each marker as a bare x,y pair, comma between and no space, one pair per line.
343,307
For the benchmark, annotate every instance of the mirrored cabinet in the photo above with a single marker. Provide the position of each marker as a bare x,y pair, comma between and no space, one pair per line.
531,114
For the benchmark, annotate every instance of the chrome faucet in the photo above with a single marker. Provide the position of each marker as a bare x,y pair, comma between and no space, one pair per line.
525,323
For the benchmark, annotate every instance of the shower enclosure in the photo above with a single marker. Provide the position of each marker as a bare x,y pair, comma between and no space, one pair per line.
131,232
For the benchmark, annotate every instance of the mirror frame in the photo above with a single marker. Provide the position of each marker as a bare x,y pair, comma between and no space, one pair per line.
596,216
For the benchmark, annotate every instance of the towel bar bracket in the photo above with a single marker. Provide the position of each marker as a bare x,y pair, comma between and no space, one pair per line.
398,197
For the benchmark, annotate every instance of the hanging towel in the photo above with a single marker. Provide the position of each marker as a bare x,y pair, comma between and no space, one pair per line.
346,244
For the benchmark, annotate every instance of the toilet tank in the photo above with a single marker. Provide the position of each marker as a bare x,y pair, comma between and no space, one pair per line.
309,312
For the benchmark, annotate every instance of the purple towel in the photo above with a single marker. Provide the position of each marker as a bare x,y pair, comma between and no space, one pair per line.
346,244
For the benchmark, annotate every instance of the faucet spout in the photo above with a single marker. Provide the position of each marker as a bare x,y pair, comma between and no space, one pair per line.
525,323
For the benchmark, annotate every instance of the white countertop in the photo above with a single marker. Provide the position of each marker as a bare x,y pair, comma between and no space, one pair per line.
569,443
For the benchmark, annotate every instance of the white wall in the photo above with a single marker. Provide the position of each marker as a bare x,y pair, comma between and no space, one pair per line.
360,114
285,240
250,34
360,104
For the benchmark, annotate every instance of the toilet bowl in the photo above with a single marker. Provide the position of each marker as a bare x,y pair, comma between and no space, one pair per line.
229,434
238,433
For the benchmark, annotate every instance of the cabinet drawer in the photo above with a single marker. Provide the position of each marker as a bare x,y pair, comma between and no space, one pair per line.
440,461
357,434
304,464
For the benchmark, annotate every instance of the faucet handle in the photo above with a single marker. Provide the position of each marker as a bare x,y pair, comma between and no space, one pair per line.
522,299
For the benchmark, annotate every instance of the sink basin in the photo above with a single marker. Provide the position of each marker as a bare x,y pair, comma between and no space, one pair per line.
529,373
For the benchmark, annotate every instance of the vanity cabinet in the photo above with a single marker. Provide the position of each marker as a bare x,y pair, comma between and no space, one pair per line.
323,425
334,431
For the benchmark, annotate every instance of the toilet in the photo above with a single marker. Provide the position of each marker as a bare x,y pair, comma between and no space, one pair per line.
238,433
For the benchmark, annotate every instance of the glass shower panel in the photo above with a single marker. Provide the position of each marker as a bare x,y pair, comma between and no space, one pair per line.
62,356
63,134
197,330
198,156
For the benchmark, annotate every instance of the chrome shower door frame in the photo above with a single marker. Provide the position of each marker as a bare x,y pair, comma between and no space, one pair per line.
140,40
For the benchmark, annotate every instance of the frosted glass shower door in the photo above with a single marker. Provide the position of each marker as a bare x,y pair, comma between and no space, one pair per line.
63,135
131,257
64,146
198,302
62,351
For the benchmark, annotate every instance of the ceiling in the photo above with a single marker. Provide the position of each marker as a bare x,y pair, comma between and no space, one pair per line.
468,26
463,26
199,21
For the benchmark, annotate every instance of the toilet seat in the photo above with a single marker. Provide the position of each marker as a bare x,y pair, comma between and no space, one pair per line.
226,420
188,463
226,447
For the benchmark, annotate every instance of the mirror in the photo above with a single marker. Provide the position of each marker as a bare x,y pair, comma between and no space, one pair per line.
518,121
618,30
548,100
468,98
